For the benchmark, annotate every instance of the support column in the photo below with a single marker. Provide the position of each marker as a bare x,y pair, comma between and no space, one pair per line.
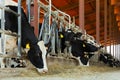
98,20
105,24
81,15
34,15
110,26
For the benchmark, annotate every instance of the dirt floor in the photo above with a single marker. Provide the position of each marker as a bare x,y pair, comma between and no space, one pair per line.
62,72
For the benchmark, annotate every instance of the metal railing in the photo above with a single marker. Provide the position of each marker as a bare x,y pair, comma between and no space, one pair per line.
3,31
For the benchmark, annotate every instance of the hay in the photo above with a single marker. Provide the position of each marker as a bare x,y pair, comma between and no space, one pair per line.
58,70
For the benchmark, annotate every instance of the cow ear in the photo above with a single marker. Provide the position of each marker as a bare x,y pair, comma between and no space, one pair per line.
61,36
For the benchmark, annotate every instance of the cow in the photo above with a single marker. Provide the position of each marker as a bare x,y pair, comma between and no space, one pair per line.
108,59
37,48
80,48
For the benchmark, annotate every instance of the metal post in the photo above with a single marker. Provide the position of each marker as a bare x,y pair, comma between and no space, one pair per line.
64,14
28,2
98,20
81,15
19,29
3,28
49,15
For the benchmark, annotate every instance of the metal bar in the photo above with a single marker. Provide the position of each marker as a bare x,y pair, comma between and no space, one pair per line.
3,28
64,14
38,19
105,23
28,2
98,20
53,13
19,29
9,10
68,16
49,16
41,31
81,15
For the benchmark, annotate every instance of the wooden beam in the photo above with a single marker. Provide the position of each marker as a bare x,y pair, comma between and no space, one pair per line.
88,1
87,14
73,5
98,20
69,7
81,15
105,24
34,13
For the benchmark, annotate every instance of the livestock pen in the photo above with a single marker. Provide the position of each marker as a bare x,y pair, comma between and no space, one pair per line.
83,36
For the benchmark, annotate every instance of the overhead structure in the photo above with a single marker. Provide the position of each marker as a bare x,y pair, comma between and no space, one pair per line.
91,15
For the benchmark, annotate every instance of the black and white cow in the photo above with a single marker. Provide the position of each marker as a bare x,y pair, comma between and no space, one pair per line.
79,47
109,60
37,52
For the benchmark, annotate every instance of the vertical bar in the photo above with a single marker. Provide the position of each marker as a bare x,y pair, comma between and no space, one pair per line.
112,29
36,17
49,15
3,28
81,15
19,29
105,23
28,2
110,24
97,20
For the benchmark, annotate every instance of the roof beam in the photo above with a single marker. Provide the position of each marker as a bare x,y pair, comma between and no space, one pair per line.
87,14
73,5
69,6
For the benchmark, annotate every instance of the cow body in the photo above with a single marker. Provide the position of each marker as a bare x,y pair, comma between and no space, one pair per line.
27,36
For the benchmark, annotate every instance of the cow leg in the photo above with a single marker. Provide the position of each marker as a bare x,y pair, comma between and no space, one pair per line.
44,52
70,52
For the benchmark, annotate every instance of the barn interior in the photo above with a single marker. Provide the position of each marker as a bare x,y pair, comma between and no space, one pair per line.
98,18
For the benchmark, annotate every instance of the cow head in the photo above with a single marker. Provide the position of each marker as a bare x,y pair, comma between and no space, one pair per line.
44,52
68,35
